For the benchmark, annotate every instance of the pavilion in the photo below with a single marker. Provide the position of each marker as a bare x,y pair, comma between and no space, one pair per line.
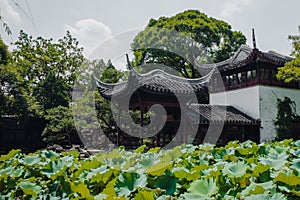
239,94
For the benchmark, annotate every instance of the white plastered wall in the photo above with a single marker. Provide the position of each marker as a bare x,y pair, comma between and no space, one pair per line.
268,108
245,100
259,102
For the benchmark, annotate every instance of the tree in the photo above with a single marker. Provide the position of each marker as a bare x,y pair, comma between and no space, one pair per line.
111,74
290,72
60,126
286,114
47,68
4,53
214,37
12,98
60,120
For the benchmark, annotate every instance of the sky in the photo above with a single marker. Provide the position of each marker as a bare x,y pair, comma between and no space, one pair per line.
106,28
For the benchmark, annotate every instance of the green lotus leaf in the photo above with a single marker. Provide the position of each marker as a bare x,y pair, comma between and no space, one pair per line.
164,197
159,168
54,169
31,160
140,149
109,189
286,142
201,189
297,143
296,165
154,150
90,163
81,189
289,180
295,152
147,160
167,183
49,155
180,172
277,196
258,188
100,196
17,172
235,169
129,182
145,194
30,188
297,193
10,155
259,169
98,171
102,173
274,163
4,173
278,153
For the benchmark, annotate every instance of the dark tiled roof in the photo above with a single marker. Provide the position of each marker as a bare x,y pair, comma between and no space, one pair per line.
206,113
107,90
156,81
245,55
160,82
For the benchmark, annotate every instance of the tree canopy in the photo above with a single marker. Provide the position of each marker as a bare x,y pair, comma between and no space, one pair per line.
290,72
190,33
46,69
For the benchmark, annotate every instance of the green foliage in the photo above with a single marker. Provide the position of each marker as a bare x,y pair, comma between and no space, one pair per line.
290,72
201,189
195,172
12,96
235,169
59,126
110,74
4,54
286,113
47,68
159,43
38,74
129,182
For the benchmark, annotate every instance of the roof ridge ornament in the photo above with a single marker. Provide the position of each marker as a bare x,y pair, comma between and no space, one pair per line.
129,66
253,38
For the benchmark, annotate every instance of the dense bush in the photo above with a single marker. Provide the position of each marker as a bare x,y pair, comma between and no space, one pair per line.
236,171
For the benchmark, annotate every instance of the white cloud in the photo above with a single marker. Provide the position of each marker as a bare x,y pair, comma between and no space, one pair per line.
233,7
115,48
9,14
100,43
90,33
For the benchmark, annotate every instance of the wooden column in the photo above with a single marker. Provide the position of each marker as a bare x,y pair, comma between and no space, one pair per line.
118,128
141,117
141,123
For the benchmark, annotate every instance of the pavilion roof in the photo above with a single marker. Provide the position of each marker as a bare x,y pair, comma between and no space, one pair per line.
156,81
160,82
245,55
207,113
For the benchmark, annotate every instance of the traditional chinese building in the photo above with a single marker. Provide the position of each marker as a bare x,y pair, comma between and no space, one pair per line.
187,109
251,86
244,86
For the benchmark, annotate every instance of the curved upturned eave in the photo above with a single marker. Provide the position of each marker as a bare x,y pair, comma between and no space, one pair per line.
107,90
252,54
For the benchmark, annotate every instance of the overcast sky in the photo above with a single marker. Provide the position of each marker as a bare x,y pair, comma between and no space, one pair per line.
94,21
